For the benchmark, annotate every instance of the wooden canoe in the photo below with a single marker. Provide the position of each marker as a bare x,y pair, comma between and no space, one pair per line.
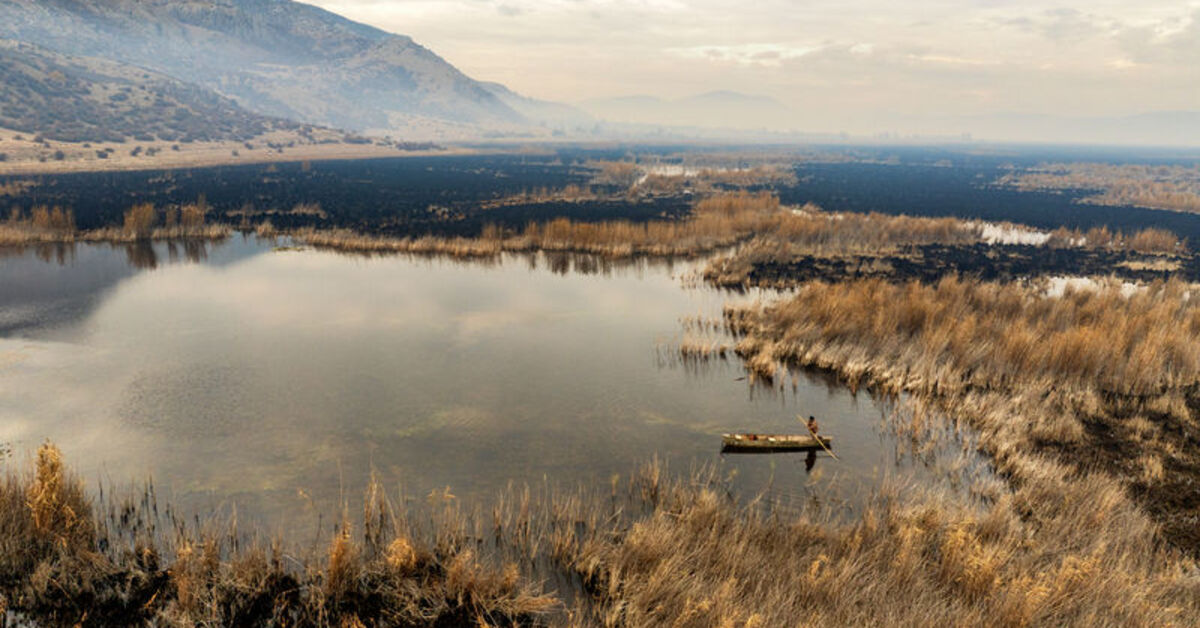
772,442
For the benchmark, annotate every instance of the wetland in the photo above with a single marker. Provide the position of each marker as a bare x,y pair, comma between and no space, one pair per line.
491,389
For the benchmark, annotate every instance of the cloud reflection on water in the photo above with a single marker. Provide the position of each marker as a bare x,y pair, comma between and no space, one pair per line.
295,373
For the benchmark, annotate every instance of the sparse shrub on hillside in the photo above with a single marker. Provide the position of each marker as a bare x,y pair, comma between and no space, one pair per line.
74,102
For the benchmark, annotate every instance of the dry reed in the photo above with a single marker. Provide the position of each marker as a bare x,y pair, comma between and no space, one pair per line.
961,333
659,551
1175,188
1103,379
63,564
46,225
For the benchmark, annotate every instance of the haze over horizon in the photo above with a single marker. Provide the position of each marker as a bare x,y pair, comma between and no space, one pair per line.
932,66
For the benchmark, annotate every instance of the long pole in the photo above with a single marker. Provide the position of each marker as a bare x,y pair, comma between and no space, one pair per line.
815,437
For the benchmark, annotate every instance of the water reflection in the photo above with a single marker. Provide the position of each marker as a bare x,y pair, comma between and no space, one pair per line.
60,253
47,288
281,379
556,262
140,254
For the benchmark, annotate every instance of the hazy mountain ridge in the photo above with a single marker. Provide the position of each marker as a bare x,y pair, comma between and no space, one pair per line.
274,57
81,99
718,109
546,112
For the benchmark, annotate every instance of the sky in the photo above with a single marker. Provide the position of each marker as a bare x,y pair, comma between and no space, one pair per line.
849,64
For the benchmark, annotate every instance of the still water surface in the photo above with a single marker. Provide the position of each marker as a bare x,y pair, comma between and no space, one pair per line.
278,380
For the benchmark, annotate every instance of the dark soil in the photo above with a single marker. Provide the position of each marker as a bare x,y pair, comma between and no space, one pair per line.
405,196
985,262
1111,447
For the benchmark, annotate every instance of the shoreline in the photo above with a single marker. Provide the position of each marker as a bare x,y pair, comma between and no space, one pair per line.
216,157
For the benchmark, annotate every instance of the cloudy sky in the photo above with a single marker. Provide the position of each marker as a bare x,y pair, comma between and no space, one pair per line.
853,64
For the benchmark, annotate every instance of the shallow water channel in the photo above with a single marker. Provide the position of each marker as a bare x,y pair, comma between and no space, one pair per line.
276,381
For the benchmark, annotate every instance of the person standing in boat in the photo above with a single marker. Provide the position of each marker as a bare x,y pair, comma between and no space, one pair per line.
812,453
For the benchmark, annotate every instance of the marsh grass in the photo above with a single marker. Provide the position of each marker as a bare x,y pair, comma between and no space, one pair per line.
753,226
695,559
717,222
1175,187
1150,240
658,548
1101,380
55,225
960,333
64,562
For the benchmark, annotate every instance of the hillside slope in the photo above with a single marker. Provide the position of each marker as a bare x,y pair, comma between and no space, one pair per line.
78,99
551,114
274,57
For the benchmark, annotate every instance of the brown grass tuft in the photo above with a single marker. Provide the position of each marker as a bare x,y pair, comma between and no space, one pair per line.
344,564
401,557
59,509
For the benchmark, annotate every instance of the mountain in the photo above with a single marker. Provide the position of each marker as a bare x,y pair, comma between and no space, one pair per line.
78,99
720,109
550,114
274,57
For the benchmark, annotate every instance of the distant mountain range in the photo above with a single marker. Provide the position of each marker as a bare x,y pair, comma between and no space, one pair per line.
275,58
719,109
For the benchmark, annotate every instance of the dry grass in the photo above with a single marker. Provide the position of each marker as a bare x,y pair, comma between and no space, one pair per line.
572,193
16,187
355,242
868,239
1150,240
755,222
28,157
58,509
716,223
43,224
60,564
1175,188
46,225
1102,379
961,333
658,552
696,560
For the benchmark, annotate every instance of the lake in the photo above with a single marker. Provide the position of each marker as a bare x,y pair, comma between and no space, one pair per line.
237,375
